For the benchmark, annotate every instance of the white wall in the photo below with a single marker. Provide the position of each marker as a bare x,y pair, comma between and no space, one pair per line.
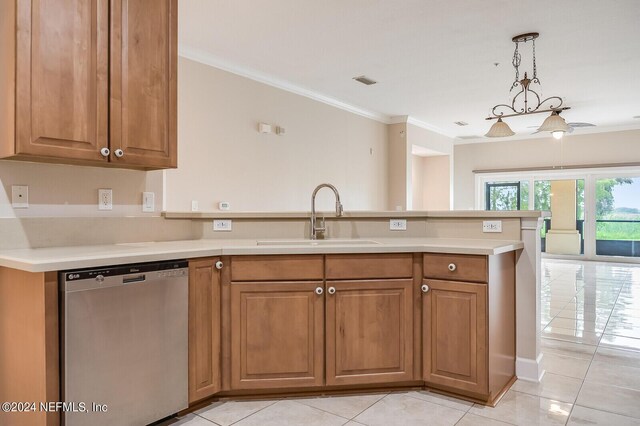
436,189
598,148
63,190
222,157
417,181
430,182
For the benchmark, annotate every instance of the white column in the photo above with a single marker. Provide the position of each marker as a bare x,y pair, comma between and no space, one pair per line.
528,355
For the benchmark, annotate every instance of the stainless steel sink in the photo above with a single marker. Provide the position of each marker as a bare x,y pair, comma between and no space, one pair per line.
349,242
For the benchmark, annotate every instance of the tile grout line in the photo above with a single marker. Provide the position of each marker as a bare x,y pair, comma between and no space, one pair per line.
442,405
255,412
380,399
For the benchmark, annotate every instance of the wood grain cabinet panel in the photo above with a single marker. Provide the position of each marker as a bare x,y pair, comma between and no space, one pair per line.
62,54
455,336
204,329
369,332
91,82
369,266
143,82
456,267
277,335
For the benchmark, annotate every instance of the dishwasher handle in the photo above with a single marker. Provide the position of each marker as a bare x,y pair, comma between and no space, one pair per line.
130,279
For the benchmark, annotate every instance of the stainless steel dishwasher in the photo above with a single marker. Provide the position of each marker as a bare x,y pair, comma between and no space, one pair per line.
124,333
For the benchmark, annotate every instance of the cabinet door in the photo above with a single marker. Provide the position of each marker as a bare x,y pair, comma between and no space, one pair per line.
455,335
62,78
277,335
204,329
369,331
143,82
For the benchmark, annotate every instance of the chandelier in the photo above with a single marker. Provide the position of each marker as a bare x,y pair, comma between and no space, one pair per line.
527,101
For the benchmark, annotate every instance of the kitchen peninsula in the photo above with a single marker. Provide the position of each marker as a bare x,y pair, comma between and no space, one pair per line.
441,304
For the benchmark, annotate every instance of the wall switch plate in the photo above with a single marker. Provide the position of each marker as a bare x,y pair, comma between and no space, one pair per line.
222,225
105,199
194,206
20,196
148,202
491,226
397,224
224,205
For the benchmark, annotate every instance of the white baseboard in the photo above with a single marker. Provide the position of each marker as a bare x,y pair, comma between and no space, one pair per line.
529,369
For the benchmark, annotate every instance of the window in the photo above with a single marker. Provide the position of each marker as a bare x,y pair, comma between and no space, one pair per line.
507,195
618,216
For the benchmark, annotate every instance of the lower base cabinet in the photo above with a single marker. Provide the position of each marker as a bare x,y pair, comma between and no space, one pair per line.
455,335
468,311
277,335
369,332
204,328
278,323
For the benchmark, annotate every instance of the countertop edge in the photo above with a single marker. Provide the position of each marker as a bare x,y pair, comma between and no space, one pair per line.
89,261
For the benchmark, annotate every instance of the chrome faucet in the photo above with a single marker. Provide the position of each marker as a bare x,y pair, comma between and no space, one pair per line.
339,210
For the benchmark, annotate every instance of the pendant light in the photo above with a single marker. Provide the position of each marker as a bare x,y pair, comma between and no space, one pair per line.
527,101
499,129
555,124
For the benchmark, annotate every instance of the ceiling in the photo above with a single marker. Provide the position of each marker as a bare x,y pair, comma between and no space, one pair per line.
433,59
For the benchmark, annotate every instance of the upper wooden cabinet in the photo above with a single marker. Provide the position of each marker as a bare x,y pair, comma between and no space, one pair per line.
89,82
143,82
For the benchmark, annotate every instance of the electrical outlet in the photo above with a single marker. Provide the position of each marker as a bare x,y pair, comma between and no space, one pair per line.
224,205
397,224
20,196
194,206
148,202
222,225
491,226
105,199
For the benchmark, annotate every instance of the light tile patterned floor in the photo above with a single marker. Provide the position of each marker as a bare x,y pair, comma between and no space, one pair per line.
591,345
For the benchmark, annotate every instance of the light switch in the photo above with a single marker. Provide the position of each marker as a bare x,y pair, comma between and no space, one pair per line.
148,202
20,196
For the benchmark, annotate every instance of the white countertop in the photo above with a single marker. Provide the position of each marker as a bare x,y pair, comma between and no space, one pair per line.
64,258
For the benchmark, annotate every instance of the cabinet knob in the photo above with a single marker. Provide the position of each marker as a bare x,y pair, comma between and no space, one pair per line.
219,265
119,153
332,290
105,152
452,267
319,291
424,288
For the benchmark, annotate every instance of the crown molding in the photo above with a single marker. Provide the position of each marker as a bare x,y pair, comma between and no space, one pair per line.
216,62
424,125
206,58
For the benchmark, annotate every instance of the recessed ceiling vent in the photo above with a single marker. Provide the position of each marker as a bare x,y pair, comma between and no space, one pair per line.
365,80
469,137
461,123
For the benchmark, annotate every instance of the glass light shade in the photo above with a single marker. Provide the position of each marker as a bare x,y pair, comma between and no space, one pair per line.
554,124
500,129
